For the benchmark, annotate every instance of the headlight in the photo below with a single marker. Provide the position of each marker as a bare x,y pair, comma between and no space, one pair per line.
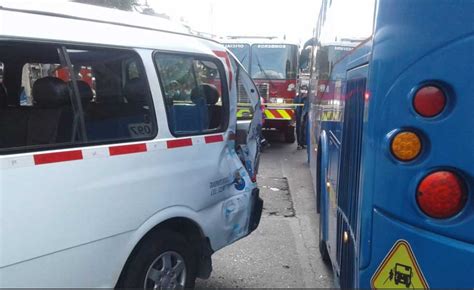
277,100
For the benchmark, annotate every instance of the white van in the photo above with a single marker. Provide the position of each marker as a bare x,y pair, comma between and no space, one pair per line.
119,165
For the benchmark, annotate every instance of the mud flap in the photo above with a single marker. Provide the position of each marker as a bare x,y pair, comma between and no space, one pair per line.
256,212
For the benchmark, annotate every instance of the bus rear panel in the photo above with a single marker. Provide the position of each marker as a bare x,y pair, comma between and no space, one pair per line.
395,172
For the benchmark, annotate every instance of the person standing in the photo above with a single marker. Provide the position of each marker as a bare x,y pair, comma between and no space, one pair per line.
301,116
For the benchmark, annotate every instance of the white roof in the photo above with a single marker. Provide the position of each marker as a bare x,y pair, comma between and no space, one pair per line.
81,23
93,12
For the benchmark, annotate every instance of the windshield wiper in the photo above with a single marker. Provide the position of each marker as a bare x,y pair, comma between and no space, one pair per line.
264,73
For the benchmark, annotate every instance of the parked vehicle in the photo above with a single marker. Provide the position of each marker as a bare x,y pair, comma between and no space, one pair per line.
390,155
273,65
124,169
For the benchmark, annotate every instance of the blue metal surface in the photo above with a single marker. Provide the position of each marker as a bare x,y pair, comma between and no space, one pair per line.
414,43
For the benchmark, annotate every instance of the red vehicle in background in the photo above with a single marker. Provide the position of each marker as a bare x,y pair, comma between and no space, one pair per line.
273,65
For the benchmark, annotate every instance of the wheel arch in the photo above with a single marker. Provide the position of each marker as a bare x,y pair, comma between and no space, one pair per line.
186,224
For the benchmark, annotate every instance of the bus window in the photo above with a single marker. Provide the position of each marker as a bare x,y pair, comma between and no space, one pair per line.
274,61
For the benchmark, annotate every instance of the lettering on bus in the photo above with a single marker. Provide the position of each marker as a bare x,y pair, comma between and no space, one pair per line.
343,48
271,46
235,45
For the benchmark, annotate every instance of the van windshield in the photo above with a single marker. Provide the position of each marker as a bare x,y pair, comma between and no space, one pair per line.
274,61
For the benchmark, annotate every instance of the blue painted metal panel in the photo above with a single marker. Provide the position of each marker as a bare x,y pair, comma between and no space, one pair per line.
414,43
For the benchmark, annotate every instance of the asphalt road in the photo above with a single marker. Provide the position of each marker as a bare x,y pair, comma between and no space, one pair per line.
283,251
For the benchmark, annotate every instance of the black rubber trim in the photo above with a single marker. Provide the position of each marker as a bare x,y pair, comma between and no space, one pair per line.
256,213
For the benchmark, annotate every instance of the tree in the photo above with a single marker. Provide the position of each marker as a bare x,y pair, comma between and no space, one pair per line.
119,4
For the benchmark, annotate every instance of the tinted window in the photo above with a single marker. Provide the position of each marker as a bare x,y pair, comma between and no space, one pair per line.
245,110
64,97
274,61
327,56
194,92
114,94
242,52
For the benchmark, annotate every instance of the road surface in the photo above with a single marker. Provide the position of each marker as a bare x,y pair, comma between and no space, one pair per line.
283,251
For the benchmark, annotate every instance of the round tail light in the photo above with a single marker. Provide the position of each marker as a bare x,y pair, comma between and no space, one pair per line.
406,146
429,101
441,194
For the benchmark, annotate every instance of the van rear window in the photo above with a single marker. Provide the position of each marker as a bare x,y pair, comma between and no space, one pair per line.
55,96
195,93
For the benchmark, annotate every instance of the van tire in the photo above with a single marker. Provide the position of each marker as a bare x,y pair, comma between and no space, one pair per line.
156,244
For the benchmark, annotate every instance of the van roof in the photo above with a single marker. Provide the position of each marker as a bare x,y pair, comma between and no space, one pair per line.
92,24
94,13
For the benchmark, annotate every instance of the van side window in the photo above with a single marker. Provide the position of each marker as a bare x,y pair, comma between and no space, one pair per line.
87,100
114,94
195,93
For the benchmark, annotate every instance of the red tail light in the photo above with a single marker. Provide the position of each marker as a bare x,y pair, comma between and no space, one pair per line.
441,194
429,101
254,178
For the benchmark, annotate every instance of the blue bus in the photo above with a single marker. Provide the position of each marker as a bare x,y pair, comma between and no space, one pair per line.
390,154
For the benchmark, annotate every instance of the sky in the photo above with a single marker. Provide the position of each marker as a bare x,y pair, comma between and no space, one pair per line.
349,19
294,19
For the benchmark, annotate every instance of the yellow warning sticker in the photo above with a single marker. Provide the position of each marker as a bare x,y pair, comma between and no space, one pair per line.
399,270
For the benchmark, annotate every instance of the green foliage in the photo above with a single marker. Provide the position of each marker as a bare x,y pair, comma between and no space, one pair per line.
119,4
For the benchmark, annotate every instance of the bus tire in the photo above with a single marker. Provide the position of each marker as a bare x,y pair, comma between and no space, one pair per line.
290,135
151,254
323,250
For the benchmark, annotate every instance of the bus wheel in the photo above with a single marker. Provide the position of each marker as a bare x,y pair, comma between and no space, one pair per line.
323,250
164,260
290,135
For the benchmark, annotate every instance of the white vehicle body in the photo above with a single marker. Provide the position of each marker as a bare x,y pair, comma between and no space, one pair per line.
72,217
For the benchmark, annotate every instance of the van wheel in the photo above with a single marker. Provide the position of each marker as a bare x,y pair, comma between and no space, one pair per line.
323,250
165,260
290,135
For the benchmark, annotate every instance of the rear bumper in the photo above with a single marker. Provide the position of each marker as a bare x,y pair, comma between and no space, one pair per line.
444,262
256,211
283,114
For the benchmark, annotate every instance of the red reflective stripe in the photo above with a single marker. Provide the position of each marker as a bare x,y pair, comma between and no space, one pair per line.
179,143
214,139
48,158
276,114
127,149
291,113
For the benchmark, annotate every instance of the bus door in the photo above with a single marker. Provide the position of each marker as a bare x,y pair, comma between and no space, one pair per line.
349,175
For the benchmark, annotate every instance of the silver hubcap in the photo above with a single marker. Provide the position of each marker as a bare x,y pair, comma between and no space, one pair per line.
168,271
